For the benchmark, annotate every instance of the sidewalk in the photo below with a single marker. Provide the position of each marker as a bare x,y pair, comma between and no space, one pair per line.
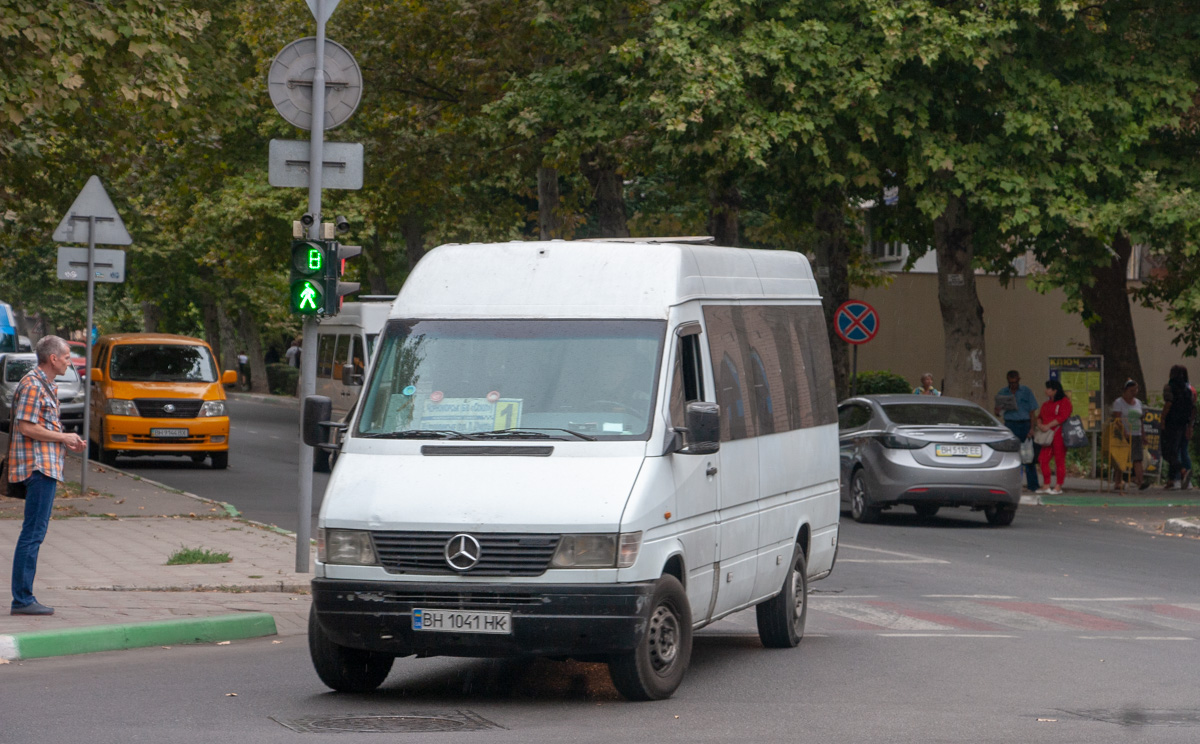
103,564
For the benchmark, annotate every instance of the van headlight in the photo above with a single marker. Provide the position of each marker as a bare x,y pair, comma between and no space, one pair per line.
597,551
122,408
212,408
346,548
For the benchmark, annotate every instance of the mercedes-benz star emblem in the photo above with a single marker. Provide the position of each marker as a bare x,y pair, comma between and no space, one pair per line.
462,552
169,408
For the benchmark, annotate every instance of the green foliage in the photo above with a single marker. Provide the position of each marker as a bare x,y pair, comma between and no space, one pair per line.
187,556
282,379
881,382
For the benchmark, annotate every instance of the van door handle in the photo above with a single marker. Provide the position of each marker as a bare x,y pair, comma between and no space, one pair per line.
712,470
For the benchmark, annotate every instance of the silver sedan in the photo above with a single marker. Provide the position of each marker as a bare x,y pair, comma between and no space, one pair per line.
926,453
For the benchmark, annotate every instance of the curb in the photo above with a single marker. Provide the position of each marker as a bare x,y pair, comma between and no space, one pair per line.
68,641
287,401
1119,500
1183,526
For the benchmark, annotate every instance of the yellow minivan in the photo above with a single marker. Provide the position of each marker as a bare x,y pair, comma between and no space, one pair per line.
158,394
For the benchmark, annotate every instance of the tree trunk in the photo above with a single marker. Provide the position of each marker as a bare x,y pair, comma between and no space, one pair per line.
1112,334
151,315
212,328
962,314
833,279
252,338
225,348
608,191
374,265
548,208
412,227
725,202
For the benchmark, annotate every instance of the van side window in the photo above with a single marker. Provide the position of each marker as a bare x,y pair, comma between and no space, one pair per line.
325,346
341,355
730,353
357,357
687,380
763,405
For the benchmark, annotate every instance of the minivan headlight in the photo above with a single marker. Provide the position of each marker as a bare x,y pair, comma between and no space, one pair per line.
122,408
597,551
346,548
212,408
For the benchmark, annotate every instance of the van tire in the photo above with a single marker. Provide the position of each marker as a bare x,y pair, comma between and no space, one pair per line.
220,460
781,618
345,669
860,501
654,669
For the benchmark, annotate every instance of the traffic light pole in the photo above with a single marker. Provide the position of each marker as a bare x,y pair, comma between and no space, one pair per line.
308,354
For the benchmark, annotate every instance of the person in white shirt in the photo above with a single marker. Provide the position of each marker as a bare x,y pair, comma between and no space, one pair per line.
1129,411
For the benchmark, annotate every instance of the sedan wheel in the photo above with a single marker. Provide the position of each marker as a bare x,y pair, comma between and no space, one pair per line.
860,507
1000,516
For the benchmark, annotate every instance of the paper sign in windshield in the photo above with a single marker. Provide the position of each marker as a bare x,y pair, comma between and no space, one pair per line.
469,414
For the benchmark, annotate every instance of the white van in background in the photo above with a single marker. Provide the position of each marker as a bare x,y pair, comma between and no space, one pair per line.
584,450
347,338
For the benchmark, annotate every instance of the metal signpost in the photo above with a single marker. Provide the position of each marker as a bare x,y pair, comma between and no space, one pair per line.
92,219
855,322
316,85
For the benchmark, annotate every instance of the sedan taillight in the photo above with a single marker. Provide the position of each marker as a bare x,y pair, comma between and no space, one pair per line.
896,441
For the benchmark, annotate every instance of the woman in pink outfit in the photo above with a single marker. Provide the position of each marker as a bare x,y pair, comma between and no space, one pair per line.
1053,413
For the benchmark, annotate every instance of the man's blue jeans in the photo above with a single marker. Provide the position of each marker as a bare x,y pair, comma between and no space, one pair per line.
39,500
1020,430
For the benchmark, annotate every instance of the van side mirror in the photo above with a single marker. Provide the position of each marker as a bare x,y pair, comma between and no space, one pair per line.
317,411
349,378
703,428
96,375
229,377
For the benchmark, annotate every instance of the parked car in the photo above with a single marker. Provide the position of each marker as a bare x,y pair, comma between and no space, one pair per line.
79,357
70,390
926,453
24,344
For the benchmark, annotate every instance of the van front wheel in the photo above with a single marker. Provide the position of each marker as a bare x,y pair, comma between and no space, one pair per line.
781,618
345,669
654,669
220,460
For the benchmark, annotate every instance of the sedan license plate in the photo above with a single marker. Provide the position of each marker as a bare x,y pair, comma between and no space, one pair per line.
959,450
462,621
168,433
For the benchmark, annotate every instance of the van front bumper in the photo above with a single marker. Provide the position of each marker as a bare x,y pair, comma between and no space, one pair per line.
137,434
575,620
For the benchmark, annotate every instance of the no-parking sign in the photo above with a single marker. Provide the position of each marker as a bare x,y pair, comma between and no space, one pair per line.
855,322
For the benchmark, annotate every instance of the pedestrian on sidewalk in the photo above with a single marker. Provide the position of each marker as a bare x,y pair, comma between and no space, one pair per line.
1128,410
926,387
1179,410
293,353
36,454
1019,406
1054,412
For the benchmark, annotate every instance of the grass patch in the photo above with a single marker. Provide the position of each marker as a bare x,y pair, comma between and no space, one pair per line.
187,556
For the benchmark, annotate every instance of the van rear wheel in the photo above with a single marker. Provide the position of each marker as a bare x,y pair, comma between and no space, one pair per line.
781,618
654,669
345,669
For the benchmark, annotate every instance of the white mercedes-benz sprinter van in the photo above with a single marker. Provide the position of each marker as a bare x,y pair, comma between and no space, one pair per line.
584,450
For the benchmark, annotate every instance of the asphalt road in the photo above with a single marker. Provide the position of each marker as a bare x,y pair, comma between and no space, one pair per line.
262,479
1070,626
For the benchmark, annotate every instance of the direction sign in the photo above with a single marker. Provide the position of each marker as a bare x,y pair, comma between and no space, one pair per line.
290,82
855,322
108,264
341,164
92,202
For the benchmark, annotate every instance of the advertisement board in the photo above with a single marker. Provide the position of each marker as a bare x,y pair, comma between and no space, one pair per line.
1082,379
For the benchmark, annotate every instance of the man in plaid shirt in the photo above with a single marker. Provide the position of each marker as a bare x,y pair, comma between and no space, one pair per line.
36,457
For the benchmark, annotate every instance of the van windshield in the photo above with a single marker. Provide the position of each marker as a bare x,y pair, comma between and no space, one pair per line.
162,363
520,379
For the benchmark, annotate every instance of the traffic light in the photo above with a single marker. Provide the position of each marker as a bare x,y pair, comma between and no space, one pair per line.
335,266
307,283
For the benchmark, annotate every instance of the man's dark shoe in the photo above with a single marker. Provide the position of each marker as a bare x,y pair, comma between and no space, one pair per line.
33,608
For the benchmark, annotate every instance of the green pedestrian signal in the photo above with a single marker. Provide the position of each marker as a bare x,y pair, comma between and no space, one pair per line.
307,276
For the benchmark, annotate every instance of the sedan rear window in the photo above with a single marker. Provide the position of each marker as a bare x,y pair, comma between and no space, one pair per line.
924,414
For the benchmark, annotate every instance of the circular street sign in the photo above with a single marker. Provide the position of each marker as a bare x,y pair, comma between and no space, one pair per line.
855,322
291,76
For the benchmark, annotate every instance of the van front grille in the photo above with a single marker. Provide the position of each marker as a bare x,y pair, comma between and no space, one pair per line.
156,407
500,554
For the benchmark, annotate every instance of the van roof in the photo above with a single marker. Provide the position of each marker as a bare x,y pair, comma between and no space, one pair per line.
595,279
151,338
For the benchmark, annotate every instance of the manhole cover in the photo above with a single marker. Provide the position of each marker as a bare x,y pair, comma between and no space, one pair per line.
1141,716
388,723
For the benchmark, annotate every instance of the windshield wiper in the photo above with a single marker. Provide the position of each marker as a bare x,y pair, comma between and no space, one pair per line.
417,434
535,432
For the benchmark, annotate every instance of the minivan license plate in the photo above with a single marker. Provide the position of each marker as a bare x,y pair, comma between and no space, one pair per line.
168,433
459,621
959,450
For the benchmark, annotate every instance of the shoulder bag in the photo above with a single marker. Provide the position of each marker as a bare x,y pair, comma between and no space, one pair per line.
1043,438
1074,435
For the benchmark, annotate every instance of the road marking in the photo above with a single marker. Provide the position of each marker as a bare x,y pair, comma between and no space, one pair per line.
880,617
967,596
1062,616
943,635
903,557
1105,599
842,596
953,621
1136,638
